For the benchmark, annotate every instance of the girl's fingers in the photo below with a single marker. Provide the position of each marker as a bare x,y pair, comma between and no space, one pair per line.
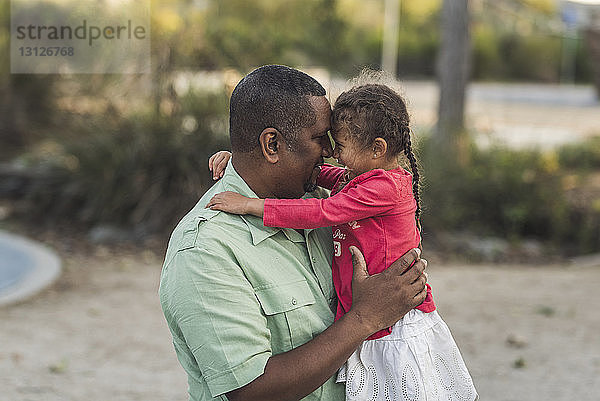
219,167
216,159
216,167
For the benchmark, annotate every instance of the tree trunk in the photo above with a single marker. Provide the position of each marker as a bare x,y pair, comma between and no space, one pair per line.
592,40
389,47
453,68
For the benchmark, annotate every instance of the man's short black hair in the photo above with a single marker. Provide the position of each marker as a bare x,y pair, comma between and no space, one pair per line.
272,96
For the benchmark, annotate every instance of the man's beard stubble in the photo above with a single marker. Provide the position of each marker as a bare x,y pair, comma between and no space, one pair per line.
310,187
311,184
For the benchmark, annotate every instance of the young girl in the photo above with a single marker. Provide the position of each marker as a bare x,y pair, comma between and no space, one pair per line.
375,207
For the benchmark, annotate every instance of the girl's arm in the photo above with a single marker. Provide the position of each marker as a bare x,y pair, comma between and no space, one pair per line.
376,195
329,176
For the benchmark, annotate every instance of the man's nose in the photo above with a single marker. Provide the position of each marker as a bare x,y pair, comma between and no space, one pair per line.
327,149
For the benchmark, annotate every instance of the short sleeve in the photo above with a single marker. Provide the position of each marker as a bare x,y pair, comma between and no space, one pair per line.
218,316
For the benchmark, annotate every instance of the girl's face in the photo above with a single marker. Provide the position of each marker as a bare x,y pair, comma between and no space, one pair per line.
350,153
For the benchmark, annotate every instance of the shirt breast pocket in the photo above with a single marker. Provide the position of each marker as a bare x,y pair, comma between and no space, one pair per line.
288,311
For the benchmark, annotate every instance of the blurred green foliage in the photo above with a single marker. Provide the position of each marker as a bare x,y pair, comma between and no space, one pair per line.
26,104
515,194
243,34
509,57
132,151
511,40
141,171
585,155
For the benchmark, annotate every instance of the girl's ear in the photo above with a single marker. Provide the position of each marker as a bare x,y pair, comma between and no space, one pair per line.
379,148
270,145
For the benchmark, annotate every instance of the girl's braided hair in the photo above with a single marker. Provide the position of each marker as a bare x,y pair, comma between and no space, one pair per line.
376,111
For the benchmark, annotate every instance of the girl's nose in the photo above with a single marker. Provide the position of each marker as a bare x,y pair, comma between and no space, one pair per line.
336,153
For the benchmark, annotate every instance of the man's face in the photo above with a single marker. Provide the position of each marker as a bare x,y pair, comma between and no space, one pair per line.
300,165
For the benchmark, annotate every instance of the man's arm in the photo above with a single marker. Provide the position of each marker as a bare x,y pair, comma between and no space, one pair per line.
296,373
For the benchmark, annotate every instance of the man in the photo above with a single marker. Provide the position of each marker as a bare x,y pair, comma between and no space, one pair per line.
251,308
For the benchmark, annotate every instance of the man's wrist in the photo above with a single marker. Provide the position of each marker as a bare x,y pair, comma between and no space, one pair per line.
362,326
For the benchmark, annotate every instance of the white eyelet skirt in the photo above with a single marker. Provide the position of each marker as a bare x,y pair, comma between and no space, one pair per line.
418,361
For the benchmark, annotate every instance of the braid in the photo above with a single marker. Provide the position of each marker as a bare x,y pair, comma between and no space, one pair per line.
415,170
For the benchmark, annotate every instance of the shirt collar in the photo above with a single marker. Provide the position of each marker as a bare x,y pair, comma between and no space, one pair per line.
232,181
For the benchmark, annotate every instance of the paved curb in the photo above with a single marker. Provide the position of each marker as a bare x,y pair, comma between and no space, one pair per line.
46,268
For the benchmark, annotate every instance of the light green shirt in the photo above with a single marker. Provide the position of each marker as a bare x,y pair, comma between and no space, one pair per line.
234,293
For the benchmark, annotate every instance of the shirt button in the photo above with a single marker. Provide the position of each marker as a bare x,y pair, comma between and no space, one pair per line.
294,302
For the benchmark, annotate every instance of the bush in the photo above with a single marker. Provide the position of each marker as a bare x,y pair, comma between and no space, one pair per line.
517,50
512,194
141,171
581,156
26,101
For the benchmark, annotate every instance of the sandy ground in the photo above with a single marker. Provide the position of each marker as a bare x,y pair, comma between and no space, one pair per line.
526,333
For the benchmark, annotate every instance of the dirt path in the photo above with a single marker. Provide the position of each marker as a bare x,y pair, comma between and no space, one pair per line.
527,333
99,334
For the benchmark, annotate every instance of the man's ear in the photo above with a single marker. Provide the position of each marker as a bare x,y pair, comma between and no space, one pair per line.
379,148
270,144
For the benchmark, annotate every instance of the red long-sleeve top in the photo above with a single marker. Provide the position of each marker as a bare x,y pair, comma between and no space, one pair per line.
374,212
